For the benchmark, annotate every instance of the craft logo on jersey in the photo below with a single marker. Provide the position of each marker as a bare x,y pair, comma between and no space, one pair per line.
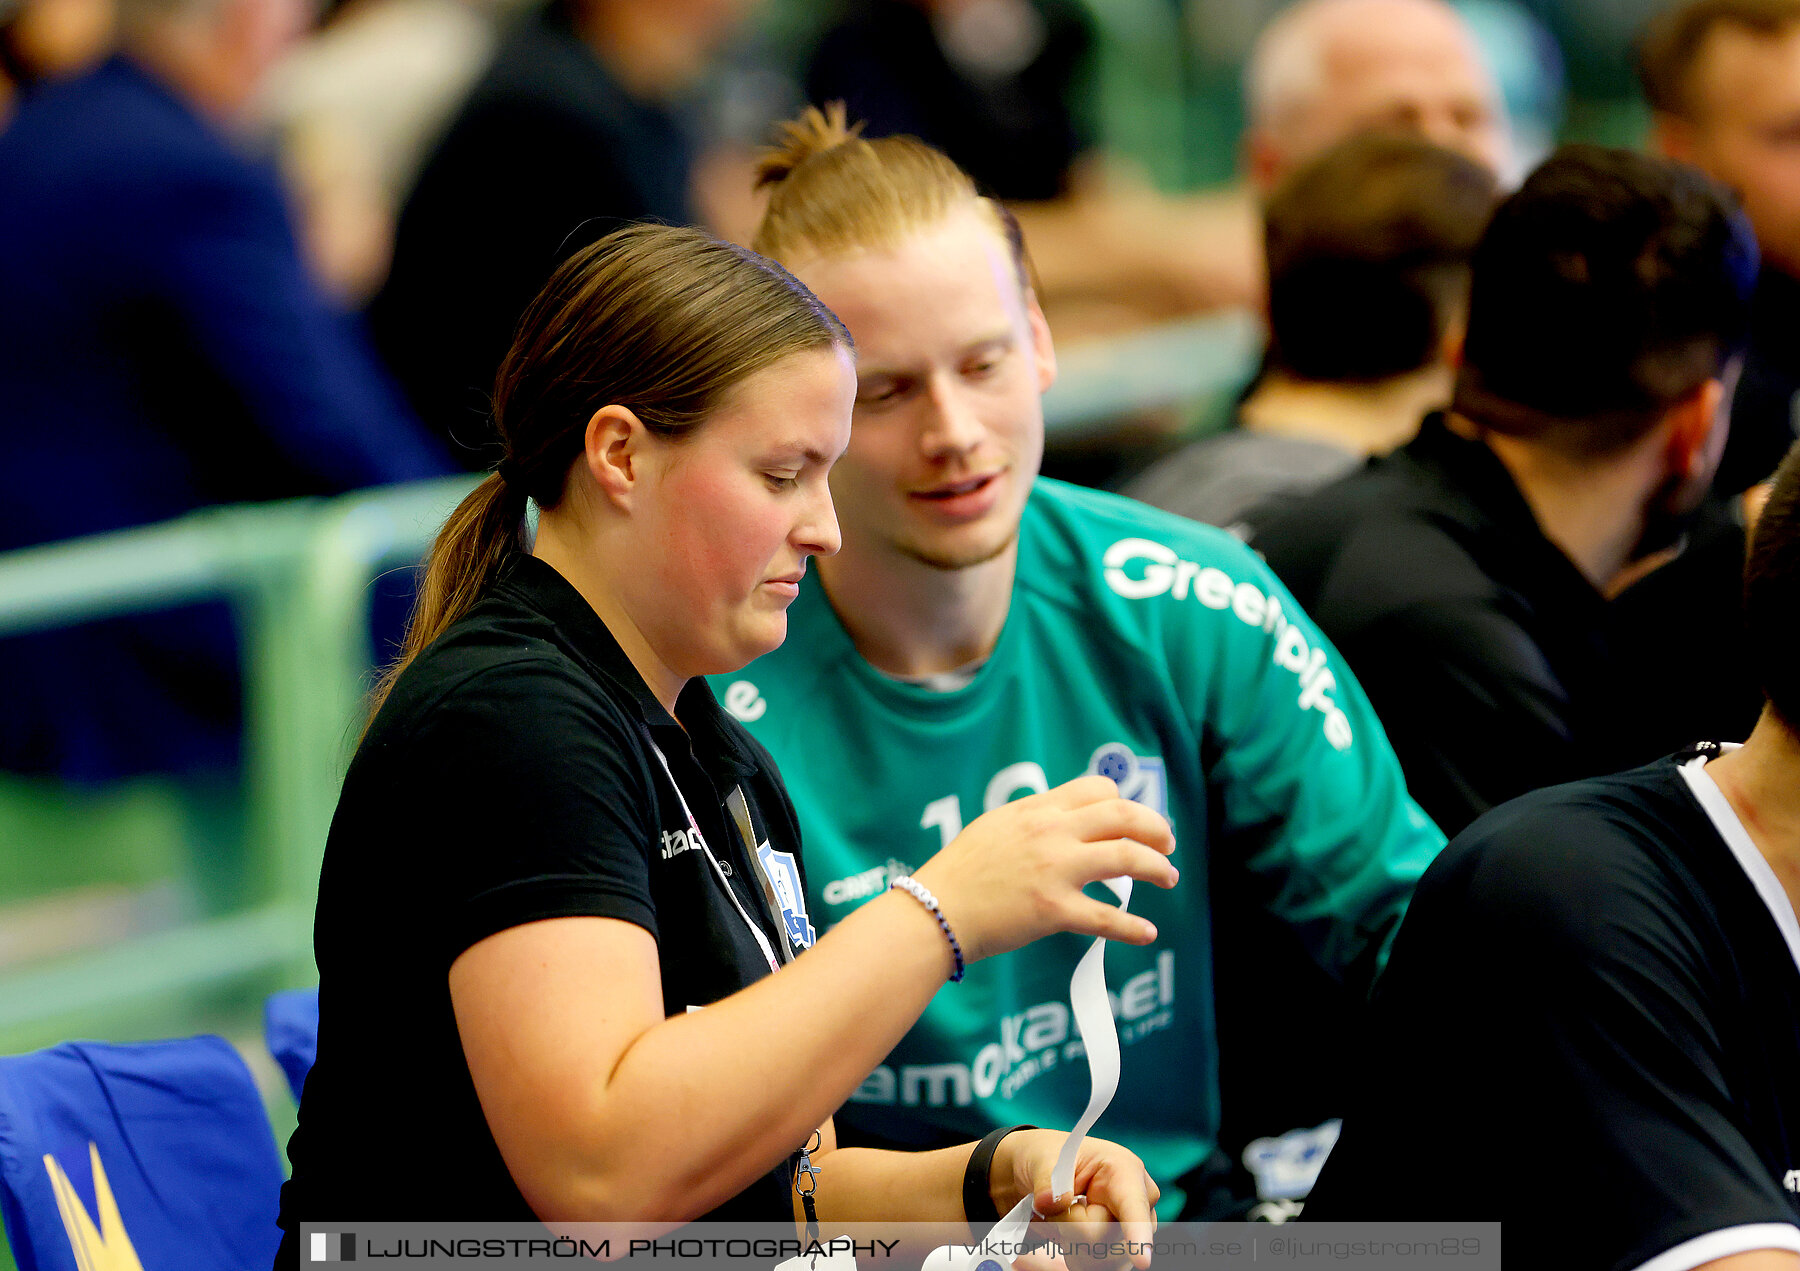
784,877
675,842
871,882
1142,780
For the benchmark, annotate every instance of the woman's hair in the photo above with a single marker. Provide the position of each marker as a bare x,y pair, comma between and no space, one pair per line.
662,320
832,192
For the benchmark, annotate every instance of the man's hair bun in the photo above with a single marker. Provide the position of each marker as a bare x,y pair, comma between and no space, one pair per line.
814,132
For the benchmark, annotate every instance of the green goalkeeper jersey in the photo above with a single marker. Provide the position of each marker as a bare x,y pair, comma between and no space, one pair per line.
1161,653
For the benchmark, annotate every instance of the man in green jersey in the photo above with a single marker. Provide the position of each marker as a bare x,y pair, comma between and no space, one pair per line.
985,633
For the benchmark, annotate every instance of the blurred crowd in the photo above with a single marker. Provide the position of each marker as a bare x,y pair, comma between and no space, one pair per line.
250,250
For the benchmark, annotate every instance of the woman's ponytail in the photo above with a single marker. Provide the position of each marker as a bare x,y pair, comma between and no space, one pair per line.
485,530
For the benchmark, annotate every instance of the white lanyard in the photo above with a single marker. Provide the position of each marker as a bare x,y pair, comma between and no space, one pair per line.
762,941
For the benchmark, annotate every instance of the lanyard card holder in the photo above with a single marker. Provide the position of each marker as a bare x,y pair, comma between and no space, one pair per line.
777,875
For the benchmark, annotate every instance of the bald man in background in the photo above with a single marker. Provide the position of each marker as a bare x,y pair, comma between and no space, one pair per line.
1321,71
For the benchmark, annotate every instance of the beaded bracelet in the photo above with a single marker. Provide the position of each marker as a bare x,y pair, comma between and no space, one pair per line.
918,891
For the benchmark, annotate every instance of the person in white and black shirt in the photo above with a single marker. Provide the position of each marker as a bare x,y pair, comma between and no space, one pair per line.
1590,1025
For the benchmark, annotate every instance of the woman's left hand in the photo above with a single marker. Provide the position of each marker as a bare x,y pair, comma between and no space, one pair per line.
1117,1195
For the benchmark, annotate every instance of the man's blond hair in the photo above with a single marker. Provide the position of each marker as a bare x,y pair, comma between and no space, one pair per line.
833,192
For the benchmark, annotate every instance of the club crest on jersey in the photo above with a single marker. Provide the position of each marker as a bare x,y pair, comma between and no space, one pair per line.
1286,1167
1141,779
784,877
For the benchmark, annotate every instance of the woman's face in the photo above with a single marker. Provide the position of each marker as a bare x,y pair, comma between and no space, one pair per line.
732,511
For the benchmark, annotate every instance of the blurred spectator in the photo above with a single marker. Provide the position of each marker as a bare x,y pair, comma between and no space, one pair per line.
1466,577
161,348
1598,981
1321,71
1003,87
1723,80
1368,252
44,39
993,83
571,132
1325,69
356,107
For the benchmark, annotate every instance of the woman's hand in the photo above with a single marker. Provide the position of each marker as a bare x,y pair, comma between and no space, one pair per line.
1016,873
1118,1196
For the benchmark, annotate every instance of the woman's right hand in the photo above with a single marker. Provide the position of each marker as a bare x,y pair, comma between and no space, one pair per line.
1016,873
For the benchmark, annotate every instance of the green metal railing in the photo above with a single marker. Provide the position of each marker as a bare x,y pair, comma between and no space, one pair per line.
298,576
249,557
321,661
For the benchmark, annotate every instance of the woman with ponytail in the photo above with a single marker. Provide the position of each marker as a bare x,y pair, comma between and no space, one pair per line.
553,848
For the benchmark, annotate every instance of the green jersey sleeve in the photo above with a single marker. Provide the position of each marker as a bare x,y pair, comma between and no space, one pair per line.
1306,790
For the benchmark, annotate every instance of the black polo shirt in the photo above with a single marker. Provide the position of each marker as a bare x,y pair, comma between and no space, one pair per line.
1482,647
1589,1029
510,777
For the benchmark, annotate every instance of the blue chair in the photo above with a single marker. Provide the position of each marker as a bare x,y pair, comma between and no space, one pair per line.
151,1155
291,1028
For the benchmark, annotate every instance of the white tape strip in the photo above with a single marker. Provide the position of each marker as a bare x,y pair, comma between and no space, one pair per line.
1100,1038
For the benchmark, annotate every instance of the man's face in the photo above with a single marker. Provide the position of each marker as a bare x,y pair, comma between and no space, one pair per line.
1413,69
1745,131
951,358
